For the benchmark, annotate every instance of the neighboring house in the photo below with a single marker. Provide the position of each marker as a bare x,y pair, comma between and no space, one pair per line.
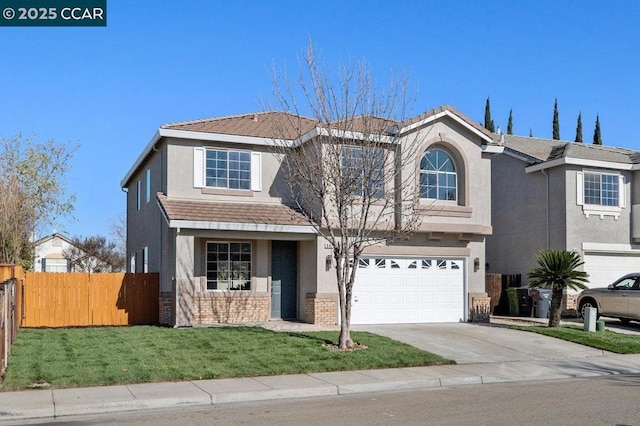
564,195
49,254
207,208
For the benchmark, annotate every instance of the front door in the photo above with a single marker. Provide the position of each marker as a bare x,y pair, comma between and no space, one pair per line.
284,282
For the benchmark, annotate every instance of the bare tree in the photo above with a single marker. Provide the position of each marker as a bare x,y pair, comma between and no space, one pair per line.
32,193
118,231
354,179
94,254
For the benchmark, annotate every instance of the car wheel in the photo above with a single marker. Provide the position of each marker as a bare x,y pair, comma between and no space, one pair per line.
588,303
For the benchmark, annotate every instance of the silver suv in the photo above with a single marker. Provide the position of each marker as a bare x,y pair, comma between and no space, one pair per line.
619,300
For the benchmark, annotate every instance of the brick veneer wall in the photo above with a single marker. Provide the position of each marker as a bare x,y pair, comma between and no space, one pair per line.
480,309
320,308
231,307
166,309
570,305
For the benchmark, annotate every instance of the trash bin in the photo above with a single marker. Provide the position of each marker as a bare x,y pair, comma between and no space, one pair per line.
514,306
524,301
544,303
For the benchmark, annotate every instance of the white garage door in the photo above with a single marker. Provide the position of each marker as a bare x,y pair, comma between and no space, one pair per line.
604,269
401,290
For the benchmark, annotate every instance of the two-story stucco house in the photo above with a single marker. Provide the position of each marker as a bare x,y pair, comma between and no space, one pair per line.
207,208
564,195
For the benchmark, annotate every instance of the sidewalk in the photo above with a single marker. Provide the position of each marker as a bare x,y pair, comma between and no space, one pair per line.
18,406
52,403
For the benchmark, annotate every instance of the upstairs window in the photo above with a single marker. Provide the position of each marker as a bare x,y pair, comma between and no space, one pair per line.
228,169
601,189
363,171
438,178
600,193
147,185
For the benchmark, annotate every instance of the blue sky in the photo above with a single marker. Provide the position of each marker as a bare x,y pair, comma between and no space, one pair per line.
160,61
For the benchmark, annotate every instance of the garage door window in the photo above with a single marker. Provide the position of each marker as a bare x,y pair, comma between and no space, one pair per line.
383,263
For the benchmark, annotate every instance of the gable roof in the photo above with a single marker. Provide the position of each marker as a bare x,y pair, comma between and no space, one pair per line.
263,127
546,153
51,237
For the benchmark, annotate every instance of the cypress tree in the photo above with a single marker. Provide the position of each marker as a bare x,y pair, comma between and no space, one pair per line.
510,123
488,122
530,133
556,121
579,128
597,136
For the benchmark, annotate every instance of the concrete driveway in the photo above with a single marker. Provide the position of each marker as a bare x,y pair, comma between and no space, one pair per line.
481,343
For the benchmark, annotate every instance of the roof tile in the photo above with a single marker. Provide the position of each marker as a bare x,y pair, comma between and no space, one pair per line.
209,211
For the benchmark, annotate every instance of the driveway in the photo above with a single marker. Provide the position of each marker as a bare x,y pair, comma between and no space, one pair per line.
481,343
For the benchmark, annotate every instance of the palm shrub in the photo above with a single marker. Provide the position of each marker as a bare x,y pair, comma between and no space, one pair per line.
556,271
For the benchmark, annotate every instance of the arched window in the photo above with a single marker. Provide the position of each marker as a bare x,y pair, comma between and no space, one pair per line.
438,178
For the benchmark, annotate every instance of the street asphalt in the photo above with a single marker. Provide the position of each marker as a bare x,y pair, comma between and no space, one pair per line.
487,353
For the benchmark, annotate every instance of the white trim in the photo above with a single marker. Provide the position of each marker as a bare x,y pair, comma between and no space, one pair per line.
256,172
234,226
598,209
580,188
199,155
492,149
451,115
217,137
581,162
251,274
628,249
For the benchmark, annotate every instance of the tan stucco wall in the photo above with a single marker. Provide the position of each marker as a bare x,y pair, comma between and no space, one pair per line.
180,173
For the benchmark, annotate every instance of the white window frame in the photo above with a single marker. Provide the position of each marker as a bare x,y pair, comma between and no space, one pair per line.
437,174
138,195
200,169
377,185
599,209
147,181
132,264
206,267
145,259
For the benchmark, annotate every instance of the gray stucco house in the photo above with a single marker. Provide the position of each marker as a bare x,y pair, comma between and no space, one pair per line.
564,195
207,208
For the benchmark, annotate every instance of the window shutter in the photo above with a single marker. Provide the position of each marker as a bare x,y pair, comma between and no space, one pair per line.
580,188
621,191
256,171
43,268
198,167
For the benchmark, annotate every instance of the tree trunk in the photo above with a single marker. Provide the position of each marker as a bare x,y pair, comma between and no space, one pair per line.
342,272
556,307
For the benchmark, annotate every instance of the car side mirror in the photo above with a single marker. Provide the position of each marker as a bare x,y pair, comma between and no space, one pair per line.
611,287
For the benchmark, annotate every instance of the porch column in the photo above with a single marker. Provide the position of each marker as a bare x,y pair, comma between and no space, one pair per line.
186,282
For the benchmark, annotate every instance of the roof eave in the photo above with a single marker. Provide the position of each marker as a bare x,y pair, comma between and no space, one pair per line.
581,162
143,155
452,115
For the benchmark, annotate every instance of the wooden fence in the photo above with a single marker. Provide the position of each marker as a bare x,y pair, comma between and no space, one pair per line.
10,309
79,299
495,286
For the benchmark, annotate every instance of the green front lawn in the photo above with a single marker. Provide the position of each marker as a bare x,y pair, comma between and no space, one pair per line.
606,340
112,355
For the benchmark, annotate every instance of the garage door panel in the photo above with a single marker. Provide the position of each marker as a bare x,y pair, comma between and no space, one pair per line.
408,290
604,269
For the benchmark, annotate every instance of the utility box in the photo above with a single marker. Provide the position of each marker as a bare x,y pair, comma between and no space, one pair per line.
590,318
